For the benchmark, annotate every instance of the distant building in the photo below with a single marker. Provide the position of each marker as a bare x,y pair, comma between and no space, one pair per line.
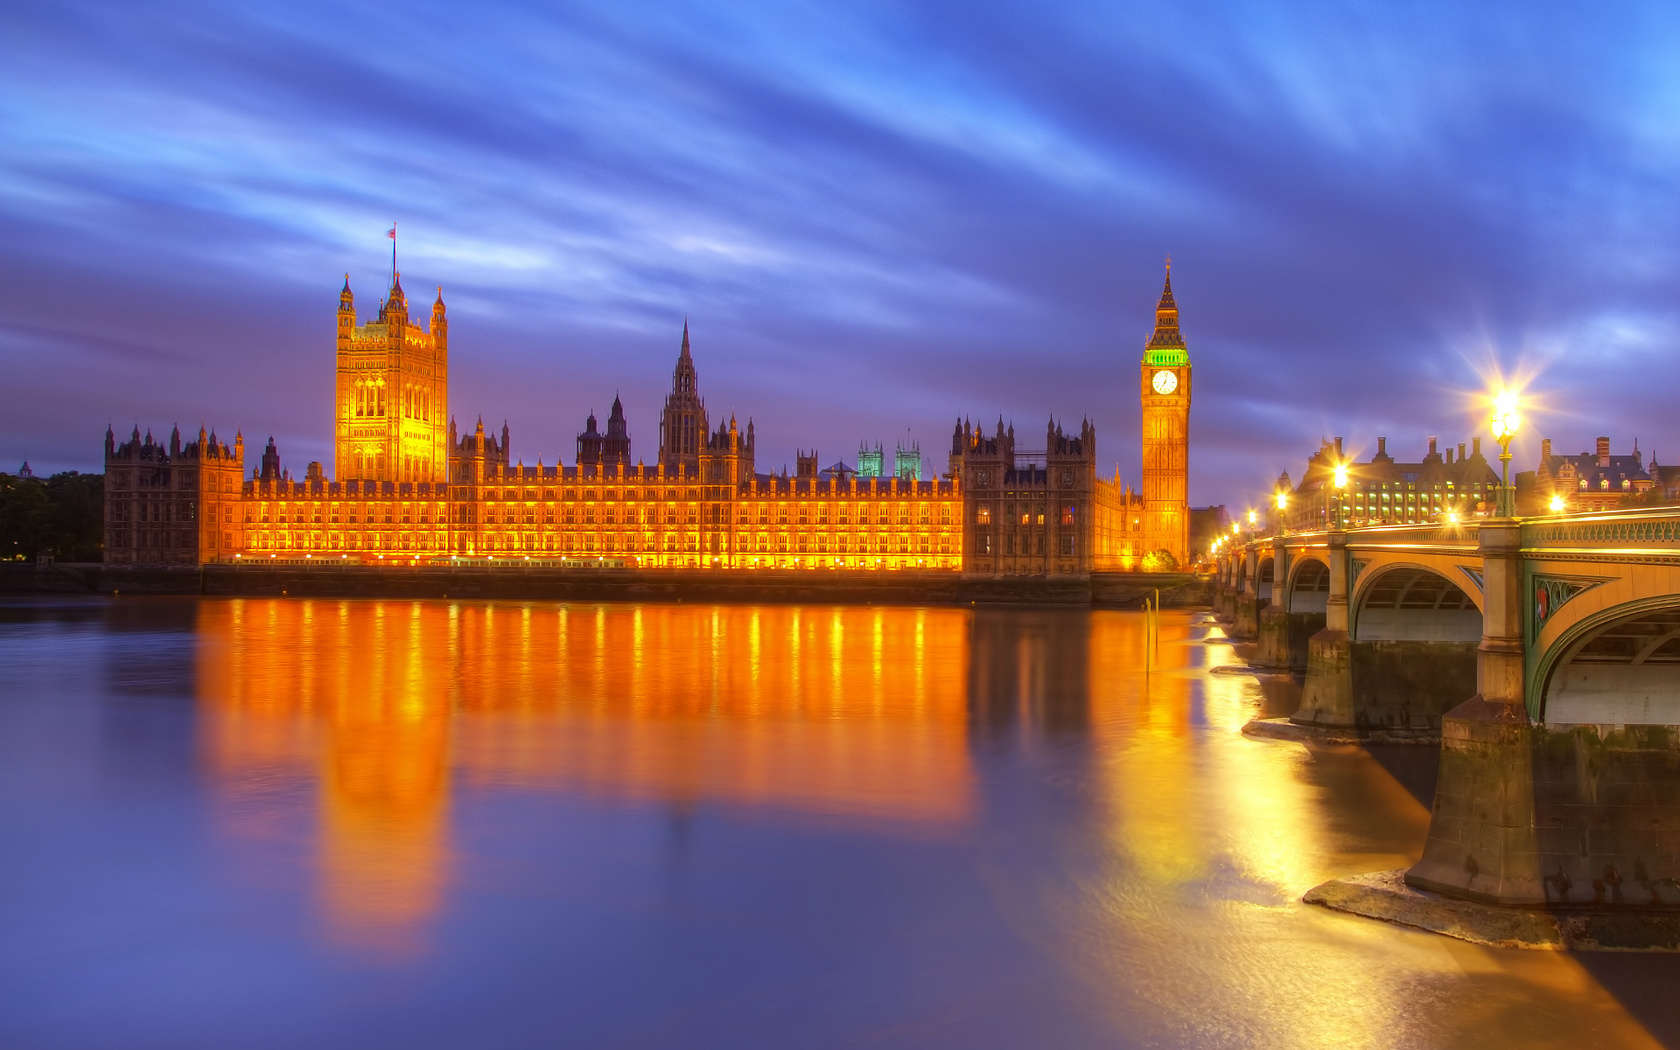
1384,491
1667,479
907,462
1588,481
871,461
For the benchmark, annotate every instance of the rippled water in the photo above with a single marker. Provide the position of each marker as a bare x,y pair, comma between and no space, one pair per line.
273,823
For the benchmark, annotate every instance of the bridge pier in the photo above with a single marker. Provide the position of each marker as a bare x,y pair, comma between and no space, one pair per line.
1556,819
1396,674
1546,814
1279,648
1225,601
1245,615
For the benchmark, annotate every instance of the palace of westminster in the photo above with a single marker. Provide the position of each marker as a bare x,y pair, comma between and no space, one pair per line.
407,487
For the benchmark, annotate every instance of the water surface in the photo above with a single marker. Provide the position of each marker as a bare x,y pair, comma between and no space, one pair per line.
280,823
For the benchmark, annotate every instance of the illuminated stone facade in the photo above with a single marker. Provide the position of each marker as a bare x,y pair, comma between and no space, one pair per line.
1164,391
1591,481
392,392
1383,491
409,487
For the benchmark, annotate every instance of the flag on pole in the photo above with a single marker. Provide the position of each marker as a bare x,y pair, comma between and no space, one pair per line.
392,232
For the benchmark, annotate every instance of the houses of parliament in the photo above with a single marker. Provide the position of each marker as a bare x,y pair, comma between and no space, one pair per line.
408,486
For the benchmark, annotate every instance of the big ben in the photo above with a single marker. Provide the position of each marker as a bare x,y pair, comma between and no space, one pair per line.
1165,397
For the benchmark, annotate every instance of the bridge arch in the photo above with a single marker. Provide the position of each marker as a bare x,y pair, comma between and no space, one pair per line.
1409,602
1263,581
1619,666
1308,588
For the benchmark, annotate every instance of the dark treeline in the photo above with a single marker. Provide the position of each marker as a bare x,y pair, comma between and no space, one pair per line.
63,515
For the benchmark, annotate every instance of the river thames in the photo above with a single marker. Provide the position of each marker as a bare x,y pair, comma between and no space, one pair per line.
281,823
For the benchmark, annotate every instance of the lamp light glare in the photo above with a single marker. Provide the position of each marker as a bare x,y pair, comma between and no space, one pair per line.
1506,419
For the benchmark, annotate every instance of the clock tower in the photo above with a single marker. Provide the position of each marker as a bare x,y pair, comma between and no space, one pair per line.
1165,396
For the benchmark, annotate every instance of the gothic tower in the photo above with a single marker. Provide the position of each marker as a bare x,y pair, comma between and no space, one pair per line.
1165,396
391,412
682,425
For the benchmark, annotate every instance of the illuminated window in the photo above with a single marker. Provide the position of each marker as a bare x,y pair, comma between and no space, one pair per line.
983,517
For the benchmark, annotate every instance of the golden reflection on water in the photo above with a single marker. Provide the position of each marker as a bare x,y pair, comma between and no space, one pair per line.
845,712
1188,929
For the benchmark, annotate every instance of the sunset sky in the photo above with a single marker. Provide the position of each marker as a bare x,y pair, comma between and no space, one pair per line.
876,218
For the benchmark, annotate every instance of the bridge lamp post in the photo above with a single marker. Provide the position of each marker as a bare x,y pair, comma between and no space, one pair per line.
1505,422
1341,492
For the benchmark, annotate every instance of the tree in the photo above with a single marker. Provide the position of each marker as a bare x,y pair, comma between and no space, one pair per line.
1160,561
63,516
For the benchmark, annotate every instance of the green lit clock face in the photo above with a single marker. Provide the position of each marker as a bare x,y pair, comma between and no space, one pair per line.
1165,382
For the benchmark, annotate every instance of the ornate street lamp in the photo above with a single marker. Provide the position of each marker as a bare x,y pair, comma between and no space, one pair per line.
1505,422
1341,492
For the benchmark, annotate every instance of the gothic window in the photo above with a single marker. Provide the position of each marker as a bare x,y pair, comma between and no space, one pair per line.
983,517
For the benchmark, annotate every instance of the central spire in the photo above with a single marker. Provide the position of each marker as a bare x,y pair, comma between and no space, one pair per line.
1166,341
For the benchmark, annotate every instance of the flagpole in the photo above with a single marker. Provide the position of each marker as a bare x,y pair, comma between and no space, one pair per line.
393,251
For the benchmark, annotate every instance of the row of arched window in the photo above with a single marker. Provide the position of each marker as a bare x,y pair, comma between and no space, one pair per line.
369,400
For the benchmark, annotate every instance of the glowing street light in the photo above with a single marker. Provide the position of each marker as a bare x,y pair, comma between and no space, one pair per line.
1340,481
1253,519
1557,504
1505,421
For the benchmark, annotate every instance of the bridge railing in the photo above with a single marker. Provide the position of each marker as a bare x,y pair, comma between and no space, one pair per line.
1643,530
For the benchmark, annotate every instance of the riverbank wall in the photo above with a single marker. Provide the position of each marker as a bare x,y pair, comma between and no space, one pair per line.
1122,590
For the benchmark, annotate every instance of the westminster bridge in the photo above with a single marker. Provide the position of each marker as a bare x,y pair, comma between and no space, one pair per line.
1544,655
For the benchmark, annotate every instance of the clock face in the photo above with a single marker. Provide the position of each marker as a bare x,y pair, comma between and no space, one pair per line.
1165,382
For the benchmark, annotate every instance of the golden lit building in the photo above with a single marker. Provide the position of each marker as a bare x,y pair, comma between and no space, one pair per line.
392,392
409,487
1165,394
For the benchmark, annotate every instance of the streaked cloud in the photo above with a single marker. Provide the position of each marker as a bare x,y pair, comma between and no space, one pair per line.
877,217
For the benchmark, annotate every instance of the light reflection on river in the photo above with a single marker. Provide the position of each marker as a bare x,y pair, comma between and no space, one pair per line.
276,823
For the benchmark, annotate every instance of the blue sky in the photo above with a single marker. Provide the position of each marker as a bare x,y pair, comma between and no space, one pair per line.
876,217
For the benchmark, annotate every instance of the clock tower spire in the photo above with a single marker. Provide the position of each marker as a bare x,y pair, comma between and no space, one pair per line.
1165,396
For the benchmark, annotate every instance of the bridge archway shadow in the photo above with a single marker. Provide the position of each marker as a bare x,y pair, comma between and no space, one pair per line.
1413,604
1619,669
1309,587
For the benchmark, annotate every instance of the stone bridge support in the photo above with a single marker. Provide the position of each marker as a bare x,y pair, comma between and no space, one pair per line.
1585,814
1245,615
1395,653
1277,650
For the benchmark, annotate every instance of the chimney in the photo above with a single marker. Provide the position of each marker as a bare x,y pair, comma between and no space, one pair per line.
1475,446
1382,446
1461,450
1338,448
1604,452
1432,445
1449,457
1546,450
